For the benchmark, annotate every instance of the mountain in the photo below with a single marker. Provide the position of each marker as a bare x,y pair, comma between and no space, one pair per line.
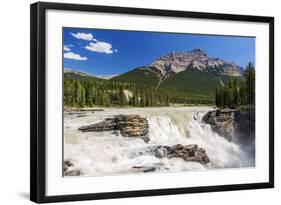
194,82
107,77
83,75
73,74
196,59
141,75
192,73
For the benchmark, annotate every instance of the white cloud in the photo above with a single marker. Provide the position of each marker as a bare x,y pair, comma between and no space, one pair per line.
100,47
66,48
95,45
74,56
84,36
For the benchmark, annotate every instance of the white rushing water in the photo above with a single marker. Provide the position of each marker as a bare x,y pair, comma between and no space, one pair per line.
100,153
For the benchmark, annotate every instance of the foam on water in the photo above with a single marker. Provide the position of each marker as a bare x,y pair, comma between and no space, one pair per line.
102,153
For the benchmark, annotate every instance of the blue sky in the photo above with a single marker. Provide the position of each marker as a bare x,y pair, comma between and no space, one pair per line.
106,52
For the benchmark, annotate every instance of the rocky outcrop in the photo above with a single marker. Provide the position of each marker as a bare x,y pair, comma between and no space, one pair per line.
129,126
196,59
189,153
244,124
107,125
74,172
221,121
70,170
143,169
239,121
66,165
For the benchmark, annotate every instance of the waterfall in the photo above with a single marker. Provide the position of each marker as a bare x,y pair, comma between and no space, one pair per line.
110,153
222,153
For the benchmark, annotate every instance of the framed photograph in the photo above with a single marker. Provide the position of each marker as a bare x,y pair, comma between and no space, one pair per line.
129,102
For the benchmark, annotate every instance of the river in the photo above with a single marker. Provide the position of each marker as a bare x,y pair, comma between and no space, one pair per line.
102,153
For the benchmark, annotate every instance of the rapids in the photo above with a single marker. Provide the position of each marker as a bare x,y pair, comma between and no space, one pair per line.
101,153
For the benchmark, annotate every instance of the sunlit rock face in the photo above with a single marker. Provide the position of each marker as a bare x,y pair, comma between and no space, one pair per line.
196,59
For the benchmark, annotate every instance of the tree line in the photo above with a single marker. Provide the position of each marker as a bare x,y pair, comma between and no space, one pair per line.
88,93
237,92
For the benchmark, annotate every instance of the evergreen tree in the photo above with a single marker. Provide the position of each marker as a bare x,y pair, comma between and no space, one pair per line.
237,92
250,82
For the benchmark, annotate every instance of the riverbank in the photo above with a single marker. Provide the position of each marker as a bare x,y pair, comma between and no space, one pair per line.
101,108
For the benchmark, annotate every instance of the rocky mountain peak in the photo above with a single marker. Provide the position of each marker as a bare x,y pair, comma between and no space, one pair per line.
197,59
198,51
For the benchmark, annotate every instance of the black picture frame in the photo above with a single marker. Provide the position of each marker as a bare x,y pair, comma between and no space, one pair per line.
38,101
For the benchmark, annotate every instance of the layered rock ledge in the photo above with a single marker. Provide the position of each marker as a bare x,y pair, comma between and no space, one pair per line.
221,121
240,121
129,126
189,153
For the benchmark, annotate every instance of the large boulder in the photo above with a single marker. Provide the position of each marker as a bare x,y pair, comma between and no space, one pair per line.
107,125
239,121
143,169
70,170
221,121
66,165
189,153
129,126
